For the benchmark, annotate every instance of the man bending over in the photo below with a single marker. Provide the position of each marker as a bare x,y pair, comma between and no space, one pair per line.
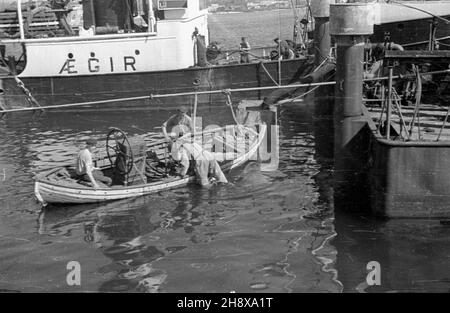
204,161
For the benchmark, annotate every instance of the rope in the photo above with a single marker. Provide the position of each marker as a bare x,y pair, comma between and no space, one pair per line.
151,97
268,74
328,58
108,101
227,93
297,97
442,44
21,85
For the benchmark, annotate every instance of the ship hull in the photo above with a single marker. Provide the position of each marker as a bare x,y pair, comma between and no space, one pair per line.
414,33
53,91
409,179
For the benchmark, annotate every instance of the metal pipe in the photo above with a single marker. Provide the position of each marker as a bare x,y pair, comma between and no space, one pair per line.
20,18
389,104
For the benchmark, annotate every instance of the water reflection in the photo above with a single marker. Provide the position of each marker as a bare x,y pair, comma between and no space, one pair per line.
413,254
274,231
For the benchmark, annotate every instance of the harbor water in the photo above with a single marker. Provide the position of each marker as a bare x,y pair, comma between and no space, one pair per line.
274,231
268,232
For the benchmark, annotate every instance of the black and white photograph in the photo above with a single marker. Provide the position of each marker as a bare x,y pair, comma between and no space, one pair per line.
224,152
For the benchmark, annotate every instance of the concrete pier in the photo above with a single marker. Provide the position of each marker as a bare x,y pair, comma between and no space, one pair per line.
350,25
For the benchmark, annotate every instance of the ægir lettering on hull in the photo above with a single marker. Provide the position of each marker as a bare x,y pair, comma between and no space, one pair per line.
93,64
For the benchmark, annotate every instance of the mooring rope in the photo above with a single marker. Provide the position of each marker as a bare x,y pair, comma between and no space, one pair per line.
29,96
151,96
268,74
227,93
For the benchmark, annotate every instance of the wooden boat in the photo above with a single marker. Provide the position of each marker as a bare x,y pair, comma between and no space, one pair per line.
143,168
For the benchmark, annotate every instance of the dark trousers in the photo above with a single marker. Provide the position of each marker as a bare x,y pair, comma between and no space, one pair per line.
245,58
98,176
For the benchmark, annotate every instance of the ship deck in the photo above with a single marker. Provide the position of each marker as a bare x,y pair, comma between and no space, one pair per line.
430,118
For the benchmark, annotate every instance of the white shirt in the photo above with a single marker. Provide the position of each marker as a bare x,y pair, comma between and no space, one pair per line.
185,151
84,164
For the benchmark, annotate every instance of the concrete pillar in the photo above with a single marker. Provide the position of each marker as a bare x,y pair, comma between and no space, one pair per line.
322,40
350,25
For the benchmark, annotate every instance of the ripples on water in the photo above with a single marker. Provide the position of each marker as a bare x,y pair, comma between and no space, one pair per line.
268,232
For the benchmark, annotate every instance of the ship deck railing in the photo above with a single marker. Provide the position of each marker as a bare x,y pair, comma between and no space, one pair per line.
416,122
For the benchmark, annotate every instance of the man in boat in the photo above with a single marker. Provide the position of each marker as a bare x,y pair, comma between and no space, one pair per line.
84,167
244,48
204,161
178,123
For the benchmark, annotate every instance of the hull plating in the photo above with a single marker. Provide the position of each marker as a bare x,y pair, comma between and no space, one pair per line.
63,90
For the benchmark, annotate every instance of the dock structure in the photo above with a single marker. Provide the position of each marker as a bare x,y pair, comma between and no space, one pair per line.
392,157
409,149
350,26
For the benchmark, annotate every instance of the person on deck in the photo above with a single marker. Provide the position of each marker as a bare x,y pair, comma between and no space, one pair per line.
204,161
178,123
377,51
84,167
244,48
284,49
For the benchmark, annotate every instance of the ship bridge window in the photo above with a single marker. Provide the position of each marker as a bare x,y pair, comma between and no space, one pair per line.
62,18
119,16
